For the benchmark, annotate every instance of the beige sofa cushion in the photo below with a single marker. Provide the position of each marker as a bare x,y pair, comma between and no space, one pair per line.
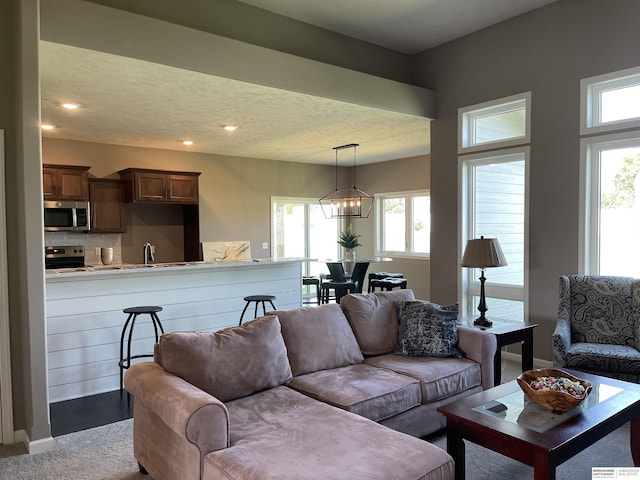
230,363
318,338
280,434
440,378
373,393
374,319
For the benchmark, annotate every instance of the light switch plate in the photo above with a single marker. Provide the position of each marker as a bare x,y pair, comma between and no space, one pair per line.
265,245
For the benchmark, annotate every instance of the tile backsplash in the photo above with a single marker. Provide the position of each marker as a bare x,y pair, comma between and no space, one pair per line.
91,242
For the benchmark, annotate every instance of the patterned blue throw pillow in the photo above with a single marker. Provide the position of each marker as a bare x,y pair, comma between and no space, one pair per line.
427,330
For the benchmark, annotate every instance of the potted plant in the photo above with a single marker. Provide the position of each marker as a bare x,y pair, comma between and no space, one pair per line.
349,240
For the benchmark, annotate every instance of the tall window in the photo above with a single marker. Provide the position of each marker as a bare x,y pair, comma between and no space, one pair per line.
494,201
610,174
300,229
403,224
612,205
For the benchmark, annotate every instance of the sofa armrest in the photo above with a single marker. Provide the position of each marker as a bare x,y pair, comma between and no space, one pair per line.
190,412
480,346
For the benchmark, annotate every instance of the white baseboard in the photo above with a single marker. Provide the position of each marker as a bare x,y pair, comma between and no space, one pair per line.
537,362
36,446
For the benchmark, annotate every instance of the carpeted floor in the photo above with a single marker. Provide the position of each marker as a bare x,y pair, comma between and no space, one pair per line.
106,453
95,454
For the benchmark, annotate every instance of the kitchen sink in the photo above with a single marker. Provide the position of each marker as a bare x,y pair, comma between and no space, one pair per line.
98,268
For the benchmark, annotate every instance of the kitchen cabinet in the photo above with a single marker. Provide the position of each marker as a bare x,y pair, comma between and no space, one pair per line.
107,208
159,186
65,182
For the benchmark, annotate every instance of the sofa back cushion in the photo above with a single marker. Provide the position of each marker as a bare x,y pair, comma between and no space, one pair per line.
605,309
374,319
230,363
318,338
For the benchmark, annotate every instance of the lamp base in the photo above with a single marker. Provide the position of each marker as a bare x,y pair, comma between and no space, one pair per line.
482,322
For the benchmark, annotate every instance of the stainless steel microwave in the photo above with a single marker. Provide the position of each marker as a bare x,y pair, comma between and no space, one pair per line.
66,215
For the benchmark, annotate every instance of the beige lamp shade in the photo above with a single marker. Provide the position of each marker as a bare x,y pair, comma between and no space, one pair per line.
483,253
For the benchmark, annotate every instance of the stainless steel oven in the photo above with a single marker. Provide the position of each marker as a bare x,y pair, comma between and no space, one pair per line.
65,256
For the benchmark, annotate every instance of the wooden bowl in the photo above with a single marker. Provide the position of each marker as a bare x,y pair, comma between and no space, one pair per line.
554,400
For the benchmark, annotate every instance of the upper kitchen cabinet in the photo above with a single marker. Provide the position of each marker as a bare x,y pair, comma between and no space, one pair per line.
159,186
65,182
107,209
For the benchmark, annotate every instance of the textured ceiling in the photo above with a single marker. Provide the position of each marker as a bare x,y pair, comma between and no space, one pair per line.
137,103
131,102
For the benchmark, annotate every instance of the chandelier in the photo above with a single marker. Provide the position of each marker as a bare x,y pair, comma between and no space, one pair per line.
346,202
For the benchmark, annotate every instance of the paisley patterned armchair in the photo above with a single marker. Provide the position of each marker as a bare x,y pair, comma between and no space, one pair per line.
598,329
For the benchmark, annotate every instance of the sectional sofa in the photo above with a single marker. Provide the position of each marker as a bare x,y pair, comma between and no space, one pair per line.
311,393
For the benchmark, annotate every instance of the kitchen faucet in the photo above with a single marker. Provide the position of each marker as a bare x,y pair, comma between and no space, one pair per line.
147,252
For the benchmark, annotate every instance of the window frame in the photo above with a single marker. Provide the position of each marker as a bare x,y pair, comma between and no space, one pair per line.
408,196
467,153
590,108
469,284
467,116
589,211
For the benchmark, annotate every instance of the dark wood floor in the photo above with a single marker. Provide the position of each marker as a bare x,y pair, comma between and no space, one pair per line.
89,412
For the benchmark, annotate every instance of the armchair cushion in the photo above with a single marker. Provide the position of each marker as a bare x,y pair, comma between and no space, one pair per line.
619,361
604,309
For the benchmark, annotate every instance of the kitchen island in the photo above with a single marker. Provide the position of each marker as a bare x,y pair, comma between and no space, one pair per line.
85,319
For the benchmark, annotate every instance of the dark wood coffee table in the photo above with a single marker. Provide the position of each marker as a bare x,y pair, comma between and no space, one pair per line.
611,404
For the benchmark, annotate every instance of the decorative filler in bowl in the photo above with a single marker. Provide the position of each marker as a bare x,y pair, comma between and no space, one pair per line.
554,389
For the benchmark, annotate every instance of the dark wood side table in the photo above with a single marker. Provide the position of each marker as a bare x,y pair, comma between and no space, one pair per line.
508,332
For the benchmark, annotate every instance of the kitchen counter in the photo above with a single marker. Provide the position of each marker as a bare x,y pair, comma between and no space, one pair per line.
85,319
168,266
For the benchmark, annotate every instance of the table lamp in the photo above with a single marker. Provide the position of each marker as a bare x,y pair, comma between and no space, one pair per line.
483,253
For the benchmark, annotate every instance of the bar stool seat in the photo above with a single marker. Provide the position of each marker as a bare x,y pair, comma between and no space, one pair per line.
257,299
312,281
381,276
133,312
387,284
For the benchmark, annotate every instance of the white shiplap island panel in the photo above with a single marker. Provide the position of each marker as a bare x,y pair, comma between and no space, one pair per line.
85,318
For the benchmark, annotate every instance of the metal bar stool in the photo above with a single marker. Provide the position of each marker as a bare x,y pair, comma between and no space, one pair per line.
125,362
312,281
381,276
387,284
257,299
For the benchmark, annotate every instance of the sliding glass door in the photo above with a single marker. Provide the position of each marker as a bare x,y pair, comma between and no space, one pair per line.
300,229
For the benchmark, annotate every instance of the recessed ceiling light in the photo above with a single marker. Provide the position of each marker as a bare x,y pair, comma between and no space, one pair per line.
70,106
46,126
230,128
187,142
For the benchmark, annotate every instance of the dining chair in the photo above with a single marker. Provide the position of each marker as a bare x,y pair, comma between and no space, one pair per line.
358,275
338,283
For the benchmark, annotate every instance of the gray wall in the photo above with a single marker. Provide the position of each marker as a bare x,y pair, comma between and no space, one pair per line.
250,24
19,107
547,52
